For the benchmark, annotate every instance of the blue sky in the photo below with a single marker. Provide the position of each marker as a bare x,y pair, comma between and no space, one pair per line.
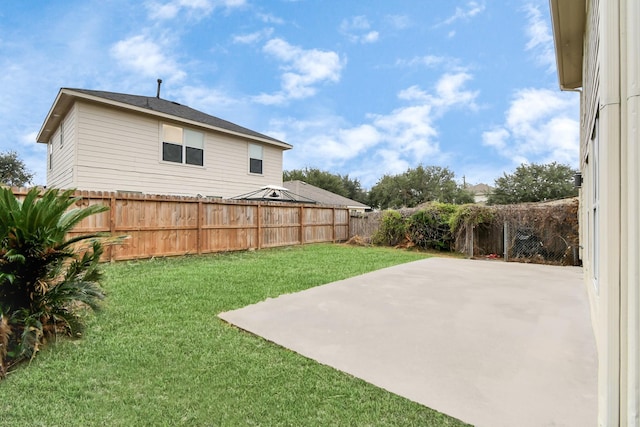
357,87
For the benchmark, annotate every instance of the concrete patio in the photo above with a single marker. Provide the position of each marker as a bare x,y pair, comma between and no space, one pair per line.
490,343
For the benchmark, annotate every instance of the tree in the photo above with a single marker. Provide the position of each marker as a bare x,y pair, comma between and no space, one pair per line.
416,186
46,276
13,171
534,183
336,183
354,189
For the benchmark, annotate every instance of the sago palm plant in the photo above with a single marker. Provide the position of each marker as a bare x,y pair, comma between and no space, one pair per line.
46,277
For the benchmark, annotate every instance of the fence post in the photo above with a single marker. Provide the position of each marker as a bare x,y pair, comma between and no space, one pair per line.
506,241
259,226
353,223
333,226
199,220
112,224
301,225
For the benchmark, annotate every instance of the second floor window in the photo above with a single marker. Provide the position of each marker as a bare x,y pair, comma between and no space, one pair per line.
184,146
255,159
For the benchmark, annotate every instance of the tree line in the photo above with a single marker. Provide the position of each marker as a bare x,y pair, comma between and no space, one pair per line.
528,183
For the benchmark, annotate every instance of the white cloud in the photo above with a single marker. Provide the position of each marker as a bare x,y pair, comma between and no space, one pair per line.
540,126
255,37
471,9
540,38
496,138
197,8
270,19
206,99
407,135
370,37
302,69
146,57
449,92
427,60
358,30
399,22
357,23
411,129
414,93
393,162
271,98
433,61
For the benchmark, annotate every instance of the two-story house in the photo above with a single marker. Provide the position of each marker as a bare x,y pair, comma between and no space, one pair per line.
110,141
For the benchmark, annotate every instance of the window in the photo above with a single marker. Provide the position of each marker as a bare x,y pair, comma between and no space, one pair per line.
50,153
255,159
182,145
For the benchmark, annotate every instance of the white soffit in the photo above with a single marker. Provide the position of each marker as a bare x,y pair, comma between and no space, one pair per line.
568,18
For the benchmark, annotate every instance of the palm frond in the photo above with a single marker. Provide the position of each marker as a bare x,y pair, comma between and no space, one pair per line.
46,277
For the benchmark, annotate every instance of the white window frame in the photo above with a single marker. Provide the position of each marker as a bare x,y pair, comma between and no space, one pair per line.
256,153
185,138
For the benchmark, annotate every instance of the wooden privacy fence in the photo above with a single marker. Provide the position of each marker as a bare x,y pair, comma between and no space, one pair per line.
171,225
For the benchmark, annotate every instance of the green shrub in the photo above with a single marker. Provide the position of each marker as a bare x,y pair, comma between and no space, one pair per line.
429,228
46,277
470,216
392,230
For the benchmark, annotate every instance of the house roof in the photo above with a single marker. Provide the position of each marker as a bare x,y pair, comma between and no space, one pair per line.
321,195
568,18
480,188
148,105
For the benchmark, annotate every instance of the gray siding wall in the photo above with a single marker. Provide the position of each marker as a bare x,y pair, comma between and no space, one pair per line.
121,151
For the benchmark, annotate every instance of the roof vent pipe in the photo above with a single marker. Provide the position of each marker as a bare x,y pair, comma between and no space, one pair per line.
159,83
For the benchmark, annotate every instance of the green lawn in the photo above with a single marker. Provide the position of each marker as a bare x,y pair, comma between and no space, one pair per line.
158,356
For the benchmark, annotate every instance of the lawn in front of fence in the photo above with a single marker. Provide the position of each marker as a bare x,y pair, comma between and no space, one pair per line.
158,355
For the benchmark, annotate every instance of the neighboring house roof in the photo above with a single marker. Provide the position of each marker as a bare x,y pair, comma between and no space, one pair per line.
479,189
321,195
149,105
568,18
274,193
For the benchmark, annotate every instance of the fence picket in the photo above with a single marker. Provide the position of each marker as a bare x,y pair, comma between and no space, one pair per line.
175,225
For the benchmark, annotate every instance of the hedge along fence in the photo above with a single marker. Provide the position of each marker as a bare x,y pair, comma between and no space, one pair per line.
546,232
532,232
172,225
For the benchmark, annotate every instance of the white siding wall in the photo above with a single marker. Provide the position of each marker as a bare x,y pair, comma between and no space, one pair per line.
61,172
119,150
611,88
611,246
630,372
589,158
606,232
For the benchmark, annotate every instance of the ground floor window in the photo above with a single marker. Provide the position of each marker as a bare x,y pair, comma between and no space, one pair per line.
181,145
